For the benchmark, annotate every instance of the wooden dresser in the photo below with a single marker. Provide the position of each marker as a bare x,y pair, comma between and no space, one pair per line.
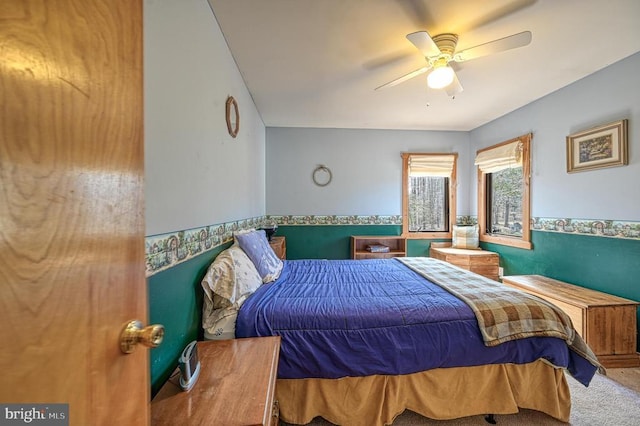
607,323
236,386
482,262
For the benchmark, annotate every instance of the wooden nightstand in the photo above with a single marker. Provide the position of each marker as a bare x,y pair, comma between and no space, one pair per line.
397,246
279,246
236,386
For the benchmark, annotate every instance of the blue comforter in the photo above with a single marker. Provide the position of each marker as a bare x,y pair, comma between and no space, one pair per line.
343,318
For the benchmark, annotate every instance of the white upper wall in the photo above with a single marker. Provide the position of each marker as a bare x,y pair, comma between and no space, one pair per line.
196,173
365,164
606,96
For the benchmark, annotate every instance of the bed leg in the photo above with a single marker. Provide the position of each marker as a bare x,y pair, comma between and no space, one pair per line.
490,418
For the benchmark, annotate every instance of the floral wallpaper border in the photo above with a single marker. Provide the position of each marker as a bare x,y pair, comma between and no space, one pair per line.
167,250
593,227
336,220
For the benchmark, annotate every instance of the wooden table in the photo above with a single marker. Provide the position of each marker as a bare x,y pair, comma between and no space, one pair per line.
606,322
279,246
236,386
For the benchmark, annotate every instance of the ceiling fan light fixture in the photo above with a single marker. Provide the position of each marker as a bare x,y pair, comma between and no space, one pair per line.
440,77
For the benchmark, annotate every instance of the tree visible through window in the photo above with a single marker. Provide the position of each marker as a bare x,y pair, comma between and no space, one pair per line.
428,194
428,204
506,188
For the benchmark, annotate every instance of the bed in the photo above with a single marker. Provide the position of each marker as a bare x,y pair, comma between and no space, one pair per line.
363,340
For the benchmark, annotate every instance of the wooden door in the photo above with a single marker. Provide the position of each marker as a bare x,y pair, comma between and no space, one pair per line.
71,207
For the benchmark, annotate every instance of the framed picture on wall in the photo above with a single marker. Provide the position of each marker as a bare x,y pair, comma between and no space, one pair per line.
602,146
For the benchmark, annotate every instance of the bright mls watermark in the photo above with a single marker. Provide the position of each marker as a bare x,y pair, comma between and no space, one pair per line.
34,414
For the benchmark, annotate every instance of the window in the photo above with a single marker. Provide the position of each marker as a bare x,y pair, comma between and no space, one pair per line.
503,193
428,195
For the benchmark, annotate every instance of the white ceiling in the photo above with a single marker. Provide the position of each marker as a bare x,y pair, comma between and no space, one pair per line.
315,63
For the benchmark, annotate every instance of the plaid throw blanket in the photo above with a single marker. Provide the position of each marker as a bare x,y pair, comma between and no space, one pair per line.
503,313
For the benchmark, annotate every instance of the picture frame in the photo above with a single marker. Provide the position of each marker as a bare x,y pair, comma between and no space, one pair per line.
599,147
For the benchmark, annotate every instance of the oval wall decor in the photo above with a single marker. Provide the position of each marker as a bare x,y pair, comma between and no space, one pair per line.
232,116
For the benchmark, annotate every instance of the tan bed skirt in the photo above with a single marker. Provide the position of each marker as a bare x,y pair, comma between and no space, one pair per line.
444,393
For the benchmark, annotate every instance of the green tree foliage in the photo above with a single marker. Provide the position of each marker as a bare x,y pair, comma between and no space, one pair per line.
427,203
506,201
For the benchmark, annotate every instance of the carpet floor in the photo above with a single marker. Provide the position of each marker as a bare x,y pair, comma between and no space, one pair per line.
605,402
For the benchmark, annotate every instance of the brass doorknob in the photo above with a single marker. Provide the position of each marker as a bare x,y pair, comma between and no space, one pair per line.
133,333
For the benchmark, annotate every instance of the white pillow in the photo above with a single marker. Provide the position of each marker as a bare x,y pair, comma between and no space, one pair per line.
230,279
465,237
221,326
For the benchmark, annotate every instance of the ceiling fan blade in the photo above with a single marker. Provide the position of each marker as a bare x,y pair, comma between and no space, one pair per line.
495,46
512,7
454,88
404,78
425,44
417,11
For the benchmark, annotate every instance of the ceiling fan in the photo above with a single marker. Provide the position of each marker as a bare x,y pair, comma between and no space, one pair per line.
440,50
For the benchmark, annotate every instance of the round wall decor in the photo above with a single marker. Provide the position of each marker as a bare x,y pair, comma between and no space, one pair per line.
322,175
232,116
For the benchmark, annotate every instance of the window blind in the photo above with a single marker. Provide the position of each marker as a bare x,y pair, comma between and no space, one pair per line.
500,158
431,165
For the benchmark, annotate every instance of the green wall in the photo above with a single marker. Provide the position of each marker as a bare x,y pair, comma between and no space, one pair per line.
327,241
175,301
611,265
333,241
